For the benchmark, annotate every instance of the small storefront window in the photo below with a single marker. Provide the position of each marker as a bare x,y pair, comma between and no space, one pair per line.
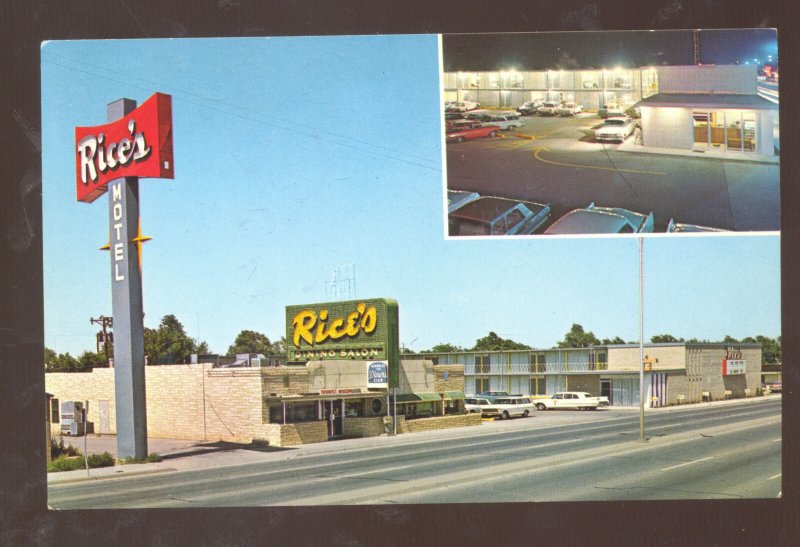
353,408
54,411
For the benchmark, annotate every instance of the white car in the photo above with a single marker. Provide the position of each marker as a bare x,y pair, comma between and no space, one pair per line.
506,407
569,109
602,220
475,405
548,108
506,123
615,129
458,198
578,400
462,106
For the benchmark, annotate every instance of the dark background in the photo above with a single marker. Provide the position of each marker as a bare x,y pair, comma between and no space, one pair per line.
24,518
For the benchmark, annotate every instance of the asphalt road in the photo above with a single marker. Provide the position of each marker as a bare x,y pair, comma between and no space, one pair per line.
564,167
715,452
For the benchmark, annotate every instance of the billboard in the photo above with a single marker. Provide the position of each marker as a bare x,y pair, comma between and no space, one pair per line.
363,330
137,145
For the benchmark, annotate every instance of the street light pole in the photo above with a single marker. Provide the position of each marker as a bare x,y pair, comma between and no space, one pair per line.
641,339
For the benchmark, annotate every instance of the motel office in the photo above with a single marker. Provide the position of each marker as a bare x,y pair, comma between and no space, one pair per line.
701,108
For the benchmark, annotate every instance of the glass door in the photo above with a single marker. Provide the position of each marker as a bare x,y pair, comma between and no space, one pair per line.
701,134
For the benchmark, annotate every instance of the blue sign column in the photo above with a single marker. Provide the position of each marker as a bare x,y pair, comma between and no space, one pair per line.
126,294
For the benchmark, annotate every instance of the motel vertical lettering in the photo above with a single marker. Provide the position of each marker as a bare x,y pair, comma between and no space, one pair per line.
126,294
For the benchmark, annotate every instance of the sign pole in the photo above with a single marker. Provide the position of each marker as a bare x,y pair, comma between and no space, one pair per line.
641,339
126,294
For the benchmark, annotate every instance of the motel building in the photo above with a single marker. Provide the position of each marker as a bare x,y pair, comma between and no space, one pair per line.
702,108
674,373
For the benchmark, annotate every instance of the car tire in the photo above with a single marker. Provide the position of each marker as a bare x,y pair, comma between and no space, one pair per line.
511,127
541,406
492,133
459,140
504,415
525,414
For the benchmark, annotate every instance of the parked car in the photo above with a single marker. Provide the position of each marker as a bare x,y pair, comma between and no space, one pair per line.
506,123
459,198
453,116
615,129
490,215
611,109
601,220
569,109
471,130
775,387
474,405
506,407
529,108
548,108
492,395
569,400
462,106
677,227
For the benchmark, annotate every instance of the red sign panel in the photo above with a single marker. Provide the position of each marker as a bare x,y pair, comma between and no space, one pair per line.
137,145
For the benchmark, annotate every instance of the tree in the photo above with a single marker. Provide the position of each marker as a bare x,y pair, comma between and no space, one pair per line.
613,341
729,340
168,343
49,357
664,338
249,341
578,338
89,360
63,362
443,348
492,342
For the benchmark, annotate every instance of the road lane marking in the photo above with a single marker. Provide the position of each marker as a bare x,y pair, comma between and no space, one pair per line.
772,478
537,155
688,463
382,470
665,426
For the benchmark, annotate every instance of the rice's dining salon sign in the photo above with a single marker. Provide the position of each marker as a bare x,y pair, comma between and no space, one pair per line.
363,330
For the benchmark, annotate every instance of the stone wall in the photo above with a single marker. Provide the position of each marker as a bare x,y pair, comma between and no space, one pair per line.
437,422
294,434
363,427
455,378
289,380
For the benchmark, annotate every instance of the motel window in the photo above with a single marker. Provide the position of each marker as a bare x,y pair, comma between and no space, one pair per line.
538,386
538,362
482,364
54,411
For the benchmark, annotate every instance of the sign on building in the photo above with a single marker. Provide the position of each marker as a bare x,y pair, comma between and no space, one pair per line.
361,330
378,374
733,362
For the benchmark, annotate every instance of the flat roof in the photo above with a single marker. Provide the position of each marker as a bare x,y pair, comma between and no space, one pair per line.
709,100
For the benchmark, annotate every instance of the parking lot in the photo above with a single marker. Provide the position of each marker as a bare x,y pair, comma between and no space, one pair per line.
555,160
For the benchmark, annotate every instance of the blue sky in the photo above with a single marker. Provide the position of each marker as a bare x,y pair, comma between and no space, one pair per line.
295,156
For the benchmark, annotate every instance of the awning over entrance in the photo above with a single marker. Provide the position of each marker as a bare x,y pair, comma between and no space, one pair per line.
452,395
415,397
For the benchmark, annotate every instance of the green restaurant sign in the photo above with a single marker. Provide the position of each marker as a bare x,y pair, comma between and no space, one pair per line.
364,330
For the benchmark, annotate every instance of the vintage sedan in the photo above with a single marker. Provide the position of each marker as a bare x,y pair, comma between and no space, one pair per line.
472,130
475,405
462,106
506,407
529,108
569,109
601,220
458,198
576,400
495,216
549,108
615,129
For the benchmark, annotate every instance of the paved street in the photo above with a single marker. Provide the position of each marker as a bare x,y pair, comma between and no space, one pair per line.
719,451
563,166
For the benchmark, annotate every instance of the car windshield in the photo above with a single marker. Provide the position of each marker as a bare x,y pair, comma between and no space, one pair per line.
619,123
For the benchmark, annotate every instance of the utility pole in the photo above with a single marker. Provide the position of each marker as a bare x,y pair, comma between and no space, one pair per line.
105,323
641,339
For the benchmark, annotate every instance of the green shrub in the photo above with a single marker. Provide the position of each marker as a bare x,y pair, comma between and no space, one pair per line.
101,460
71,463
152,458
58,449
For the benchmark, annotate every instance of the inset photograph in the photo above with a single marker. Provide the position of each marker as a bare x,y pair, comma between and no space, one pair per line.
607,133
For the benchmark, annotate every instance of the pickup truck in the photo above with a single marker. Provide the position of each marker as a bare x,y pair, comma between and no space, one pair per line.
569,400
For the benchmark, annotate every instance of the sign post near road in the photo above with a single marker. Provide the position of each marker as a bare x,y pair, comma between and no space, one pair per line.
137,142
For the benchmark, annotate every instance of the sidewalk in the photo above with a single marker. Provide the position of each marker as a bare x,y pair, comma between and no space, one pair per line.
630,146
185,455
